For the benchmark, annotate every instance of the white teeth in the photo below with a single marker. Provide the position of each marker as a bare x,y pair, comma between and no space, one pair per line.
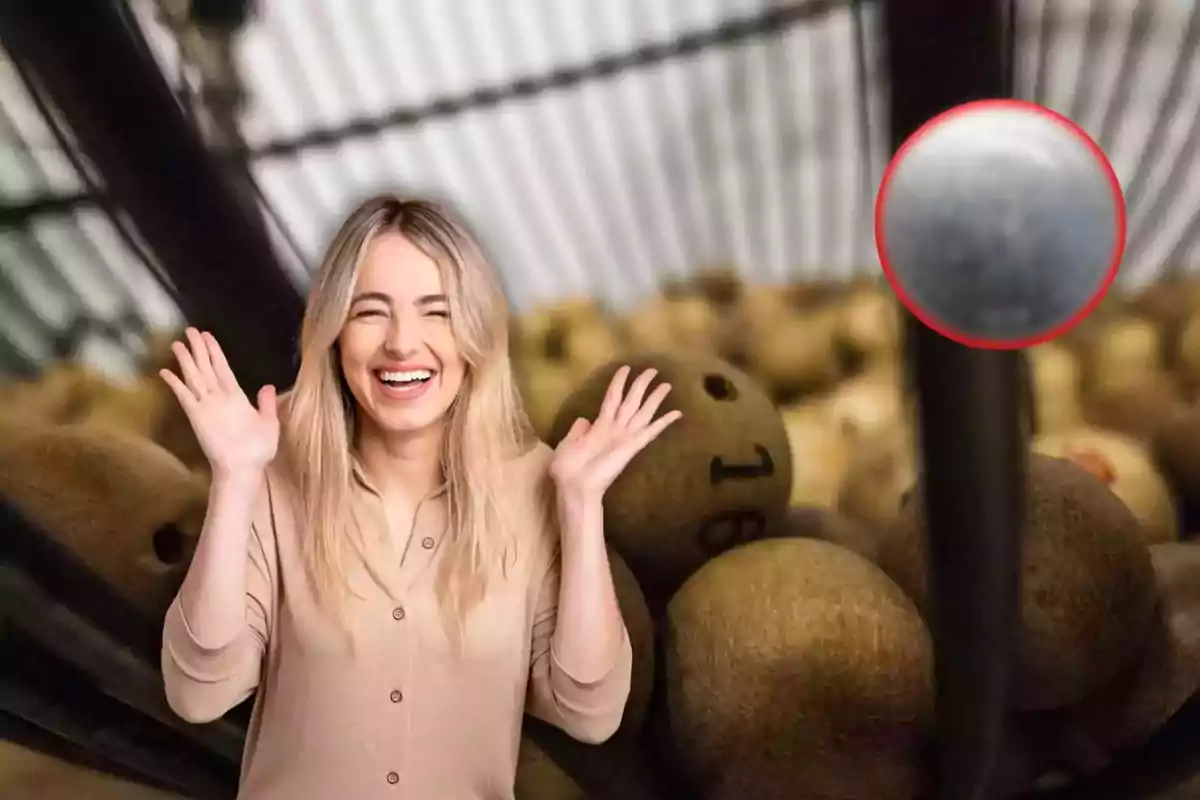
408,376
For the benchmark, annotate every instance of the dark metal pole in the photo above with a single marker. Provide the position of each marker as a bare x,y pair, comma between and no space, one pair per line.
17,732
43,694
118,105
942,53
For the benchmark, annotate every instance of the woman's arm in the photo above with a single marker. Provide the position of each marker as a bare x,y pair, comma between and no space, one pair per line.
590,659
216,631
581,658
590,630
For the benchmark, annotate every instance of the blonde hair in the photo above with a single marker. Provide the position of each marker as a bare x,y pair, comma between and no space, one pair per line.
486,425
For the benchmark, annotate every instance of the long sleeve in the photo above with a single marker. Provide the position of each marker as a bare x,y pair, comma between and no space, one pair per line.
203,683
590,712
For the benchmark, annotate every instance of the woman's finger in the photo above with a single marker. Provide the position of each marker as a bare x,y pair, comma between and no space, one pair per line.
578,429
633,400
624,452
615,461
646,413
204,365
268,403
186,397
612,398
225,377
188,369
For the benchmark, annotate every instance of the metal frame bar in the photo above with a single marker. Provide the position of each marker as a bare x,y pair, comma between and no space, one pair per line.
689,44
20,732
236,163
49,695
110,666
37,252
128,237
942,53
131,127
771,21
128,309
60,603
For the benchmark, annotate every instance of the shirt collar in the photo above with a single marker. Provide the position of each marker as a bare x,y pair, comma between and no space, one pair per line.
360,477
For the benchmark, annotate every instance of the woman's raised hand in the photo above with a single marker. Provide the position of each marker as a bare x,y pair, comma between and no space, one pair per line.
593,454
235,436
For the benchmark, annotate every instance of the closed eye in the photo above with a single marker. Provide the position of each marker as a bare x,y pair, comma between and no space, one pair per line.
440,313
370,312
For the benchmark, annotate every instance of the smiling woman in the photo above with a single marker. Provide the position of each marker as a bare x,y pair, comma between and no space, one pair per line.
405,289
413,550
397,344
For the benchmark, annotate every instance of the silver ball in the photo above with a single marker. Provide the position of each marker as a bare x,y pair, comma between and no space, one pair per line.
999,223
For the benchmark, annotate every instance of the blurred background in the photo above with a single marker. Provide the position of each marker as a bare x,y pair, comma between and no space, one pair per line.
645,174
600,150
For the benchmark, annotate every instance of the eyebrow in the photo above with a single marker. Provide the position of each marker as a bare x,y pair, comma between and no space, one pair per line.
423,300
380,296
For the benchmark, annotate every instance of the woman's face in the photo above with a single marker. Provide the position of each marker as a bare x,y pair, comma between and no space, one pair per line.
398,353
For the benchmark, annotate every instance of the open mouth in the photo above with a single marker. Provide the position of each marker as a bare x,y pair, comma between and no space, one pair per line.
404,381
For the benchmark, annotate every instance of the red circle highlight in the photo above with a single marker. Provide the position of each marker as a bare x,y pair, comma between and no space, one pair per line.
1001,344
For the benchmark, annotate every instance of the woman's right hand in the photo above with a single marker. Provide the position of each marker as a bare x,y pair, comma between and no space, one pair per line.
236,437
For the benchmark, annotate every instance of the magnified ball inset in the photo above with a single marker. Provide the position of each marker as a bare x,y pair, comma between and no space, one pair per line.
1000,224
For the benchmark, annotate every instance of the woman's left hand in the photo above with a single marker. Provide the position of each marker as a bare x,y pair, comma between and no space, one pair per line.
593,454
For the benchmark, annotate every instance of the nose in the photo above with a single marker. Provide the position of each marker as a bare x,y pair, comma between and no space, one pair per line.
403,338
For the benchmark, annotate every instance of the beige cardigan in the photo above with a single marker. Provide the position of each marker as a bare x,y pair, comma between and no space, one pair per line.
400,716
